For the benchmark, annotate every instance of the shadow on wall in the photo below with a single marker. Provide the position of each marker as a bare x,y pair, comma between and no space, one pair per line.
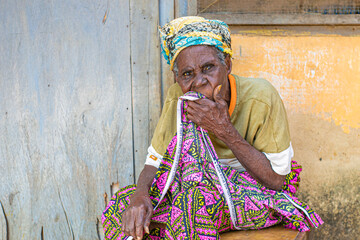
330,181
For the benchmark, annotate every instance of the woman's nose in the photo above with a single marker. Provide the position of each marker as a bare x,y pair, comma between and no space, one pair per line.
198,82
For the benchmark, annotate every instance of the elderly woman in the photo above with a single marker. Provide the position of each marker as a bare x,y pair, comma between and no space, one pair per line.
228,167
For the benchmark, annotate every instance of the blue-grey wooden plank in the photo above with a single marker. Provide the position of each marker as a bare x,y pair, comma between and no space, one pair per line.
145,63
167,14
65,114
181,8
191,7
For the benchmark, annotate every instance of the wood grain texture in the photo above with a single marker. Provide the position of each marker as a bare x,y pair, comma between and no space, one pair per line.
192,7
167,13
284,19
65,114
145,65
276,232
181,8
302,236
4,224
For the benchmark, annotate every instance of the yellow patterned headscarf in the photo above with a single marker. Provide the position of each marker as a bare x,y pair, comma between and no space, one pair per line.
188,31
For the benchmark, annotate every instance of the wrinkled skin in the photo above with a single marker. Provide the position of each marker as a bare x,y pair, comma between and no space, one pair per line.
136,217
200,70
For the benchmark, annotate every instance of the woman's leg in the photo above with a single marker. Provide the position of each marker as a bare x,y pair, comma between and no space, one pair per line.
195,214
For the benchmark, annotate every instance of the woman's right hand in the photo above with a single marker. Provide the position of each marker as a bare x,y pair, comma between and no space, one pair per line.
136,217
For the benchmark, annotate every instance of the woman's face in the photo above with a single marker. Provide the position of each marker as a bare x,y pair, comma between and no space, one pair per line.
200,70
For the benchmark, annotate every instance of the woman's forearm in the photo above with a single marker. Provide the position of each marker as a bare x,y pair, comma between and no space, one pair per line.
251,159
146,178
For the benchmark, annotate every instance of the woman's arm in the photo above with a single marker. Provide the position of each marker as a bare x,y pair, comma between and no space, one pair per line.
214,117
254,161
136,217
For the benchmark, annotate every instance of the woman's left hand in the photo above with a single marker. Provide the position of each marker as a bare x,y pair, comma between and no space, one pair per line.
214,116
211,115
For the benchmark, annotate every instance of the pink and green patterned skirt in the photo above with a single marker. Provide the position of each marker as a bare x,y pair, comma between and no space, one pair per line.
196,198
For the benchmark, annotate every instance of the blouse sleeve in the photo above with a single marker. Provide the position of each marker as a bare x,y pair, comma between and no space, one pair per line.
269,130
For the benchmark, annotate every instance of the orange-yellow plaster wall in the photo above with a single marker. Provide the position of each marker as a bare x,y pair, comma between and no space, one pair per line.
314,74
318,77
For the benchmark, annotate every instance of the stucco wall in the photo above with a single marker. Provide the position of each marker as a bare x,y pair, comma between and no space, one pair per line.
318,76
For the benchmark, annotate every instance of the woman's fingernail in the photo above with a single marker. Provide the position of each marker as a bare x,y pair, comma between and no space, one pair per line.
147,230
220,87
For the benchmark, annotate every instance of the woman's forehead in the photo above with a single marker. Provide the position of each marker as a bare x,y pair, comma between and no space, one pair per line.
198,54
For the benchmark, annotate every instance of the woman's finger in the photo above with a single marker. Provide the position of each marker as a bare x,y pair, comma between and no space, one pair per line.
217,94
195,104
128,222
192,106
201,103
147,219
123,222
197,109
130,226
139,223
191,117
192,112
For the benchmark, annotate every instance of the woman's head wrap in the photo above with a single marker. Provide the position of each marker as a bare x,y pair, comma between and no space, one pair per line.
184,32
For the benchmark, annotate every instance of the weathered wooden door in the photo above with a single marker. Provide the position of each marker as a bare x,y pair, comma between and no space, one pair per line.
80,95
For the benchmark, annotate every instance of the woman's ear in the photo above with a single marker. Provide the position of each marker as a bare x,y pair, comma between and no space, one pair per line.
228,63
175,75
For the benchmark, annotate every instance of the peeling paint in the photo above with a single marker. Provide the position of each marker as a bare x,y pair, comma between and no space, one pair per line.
114,188
314,74
106,200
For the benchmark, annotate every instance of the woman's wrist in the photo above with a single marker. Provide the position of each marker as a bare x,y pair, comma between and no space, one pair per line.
138,194
142,191
145,181
229,135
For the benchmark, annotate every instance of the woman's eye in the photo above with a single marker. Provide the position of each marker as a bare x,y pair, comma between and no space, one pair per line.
207,67
186,74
